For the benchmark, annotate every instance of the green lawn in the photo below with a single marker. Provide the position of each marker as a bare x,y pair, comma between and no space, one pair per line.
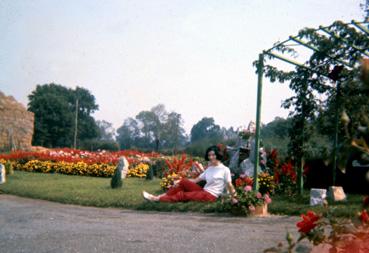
94,191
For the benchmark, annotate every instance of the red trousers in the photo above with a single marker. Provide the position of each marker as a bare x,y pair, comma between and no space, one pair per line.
187,191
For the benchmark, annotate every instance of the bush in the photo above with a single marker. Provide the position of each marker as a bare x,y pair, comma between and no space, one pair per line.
159,166
9,168
116,181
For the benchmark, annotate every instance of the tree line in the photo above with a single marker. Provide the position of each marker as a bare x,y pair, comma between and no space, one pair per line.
62,113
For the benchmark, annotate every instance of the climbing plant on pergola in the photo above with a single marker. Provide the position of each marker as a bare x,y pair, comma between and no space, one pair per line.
323,60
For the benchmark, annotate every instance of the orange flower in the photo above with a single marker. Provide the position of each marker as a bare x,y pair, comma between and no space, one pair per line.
308,222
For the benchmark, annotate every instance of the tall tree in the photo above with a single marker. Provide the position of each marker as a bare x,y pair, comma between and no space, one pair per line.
205,129
128,135
54,108
152,129
174,133
106,130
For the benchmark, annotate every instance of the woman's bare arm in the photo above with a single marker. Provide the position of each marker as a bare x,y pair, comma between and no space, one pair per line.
231,189
195,180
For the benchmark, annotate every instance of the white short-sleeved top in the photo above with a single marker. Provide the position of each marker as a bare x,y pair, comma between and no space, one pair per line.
216,179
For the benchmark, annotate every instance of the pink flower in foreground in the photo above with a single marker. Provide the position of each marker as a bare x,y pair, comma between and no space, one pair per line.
234,201
267,199
258,195
247,188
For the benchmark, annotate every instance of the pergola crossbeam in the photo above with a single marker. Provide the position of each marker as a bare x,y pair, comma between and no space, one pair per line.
343,40
361,27
317,50
295,63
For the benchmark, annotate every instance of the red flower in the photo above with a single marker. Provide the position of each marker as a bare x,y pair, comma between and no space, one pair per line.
288,170
243,181
364,217
308,222
239,182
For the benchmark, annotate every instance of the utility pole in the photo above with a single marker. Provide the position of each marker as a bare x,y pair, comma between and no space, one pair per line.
75,126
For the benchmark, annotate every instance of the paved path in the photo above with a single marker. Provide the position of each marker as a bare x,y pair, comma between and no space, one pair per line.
28,225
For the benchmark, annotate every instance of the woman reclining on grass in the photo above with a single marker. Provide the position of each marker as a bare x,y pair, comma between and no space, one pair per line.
217,177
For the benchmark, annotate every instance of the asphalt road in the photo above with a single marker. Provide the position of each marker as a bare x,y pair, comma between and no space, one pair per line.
38,226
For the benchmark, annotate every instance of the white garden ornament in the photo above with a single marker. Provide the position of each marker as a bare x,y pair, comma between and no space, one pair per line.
2,174
317,196
123,165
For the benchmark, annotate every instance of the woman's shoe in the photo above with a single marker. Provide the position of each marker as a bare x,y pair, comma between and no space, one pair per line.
149,196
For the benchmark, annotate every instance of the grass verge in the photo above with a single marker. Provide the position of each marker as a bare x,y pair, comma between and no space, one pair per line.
94,191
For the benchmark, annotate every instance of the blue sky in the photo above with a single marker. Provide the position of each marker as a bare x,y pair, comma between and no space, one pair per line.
193,56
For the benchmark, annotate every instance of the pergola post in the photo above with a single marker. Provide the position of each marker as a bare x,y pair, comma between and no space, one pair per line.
336,126
258,113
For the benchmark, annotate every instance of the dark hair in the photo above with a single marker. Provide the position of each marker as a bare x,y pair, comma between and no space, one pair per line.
216,150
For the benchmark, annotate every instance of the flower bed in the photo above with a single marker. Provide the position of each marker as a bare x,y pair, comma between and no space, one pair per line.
177,168
78,162
78,168
247,199
75,155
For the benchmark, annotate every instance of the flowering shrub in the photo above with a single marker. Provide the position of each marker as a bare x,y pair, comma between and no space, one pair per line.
138,171
167,181
177,168
75,155
266,183
243,181
68,168
76,168
78,162
247,199
285,177
180,166
309,221
273,160
329,234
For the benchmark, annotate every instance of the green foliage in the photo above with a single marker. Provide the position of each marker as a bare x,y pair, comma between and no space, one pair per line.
198,148
275,135
150,173
345,45
106,130
95,145
158,167
155,129
54,109
206,133
9,168
205,129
